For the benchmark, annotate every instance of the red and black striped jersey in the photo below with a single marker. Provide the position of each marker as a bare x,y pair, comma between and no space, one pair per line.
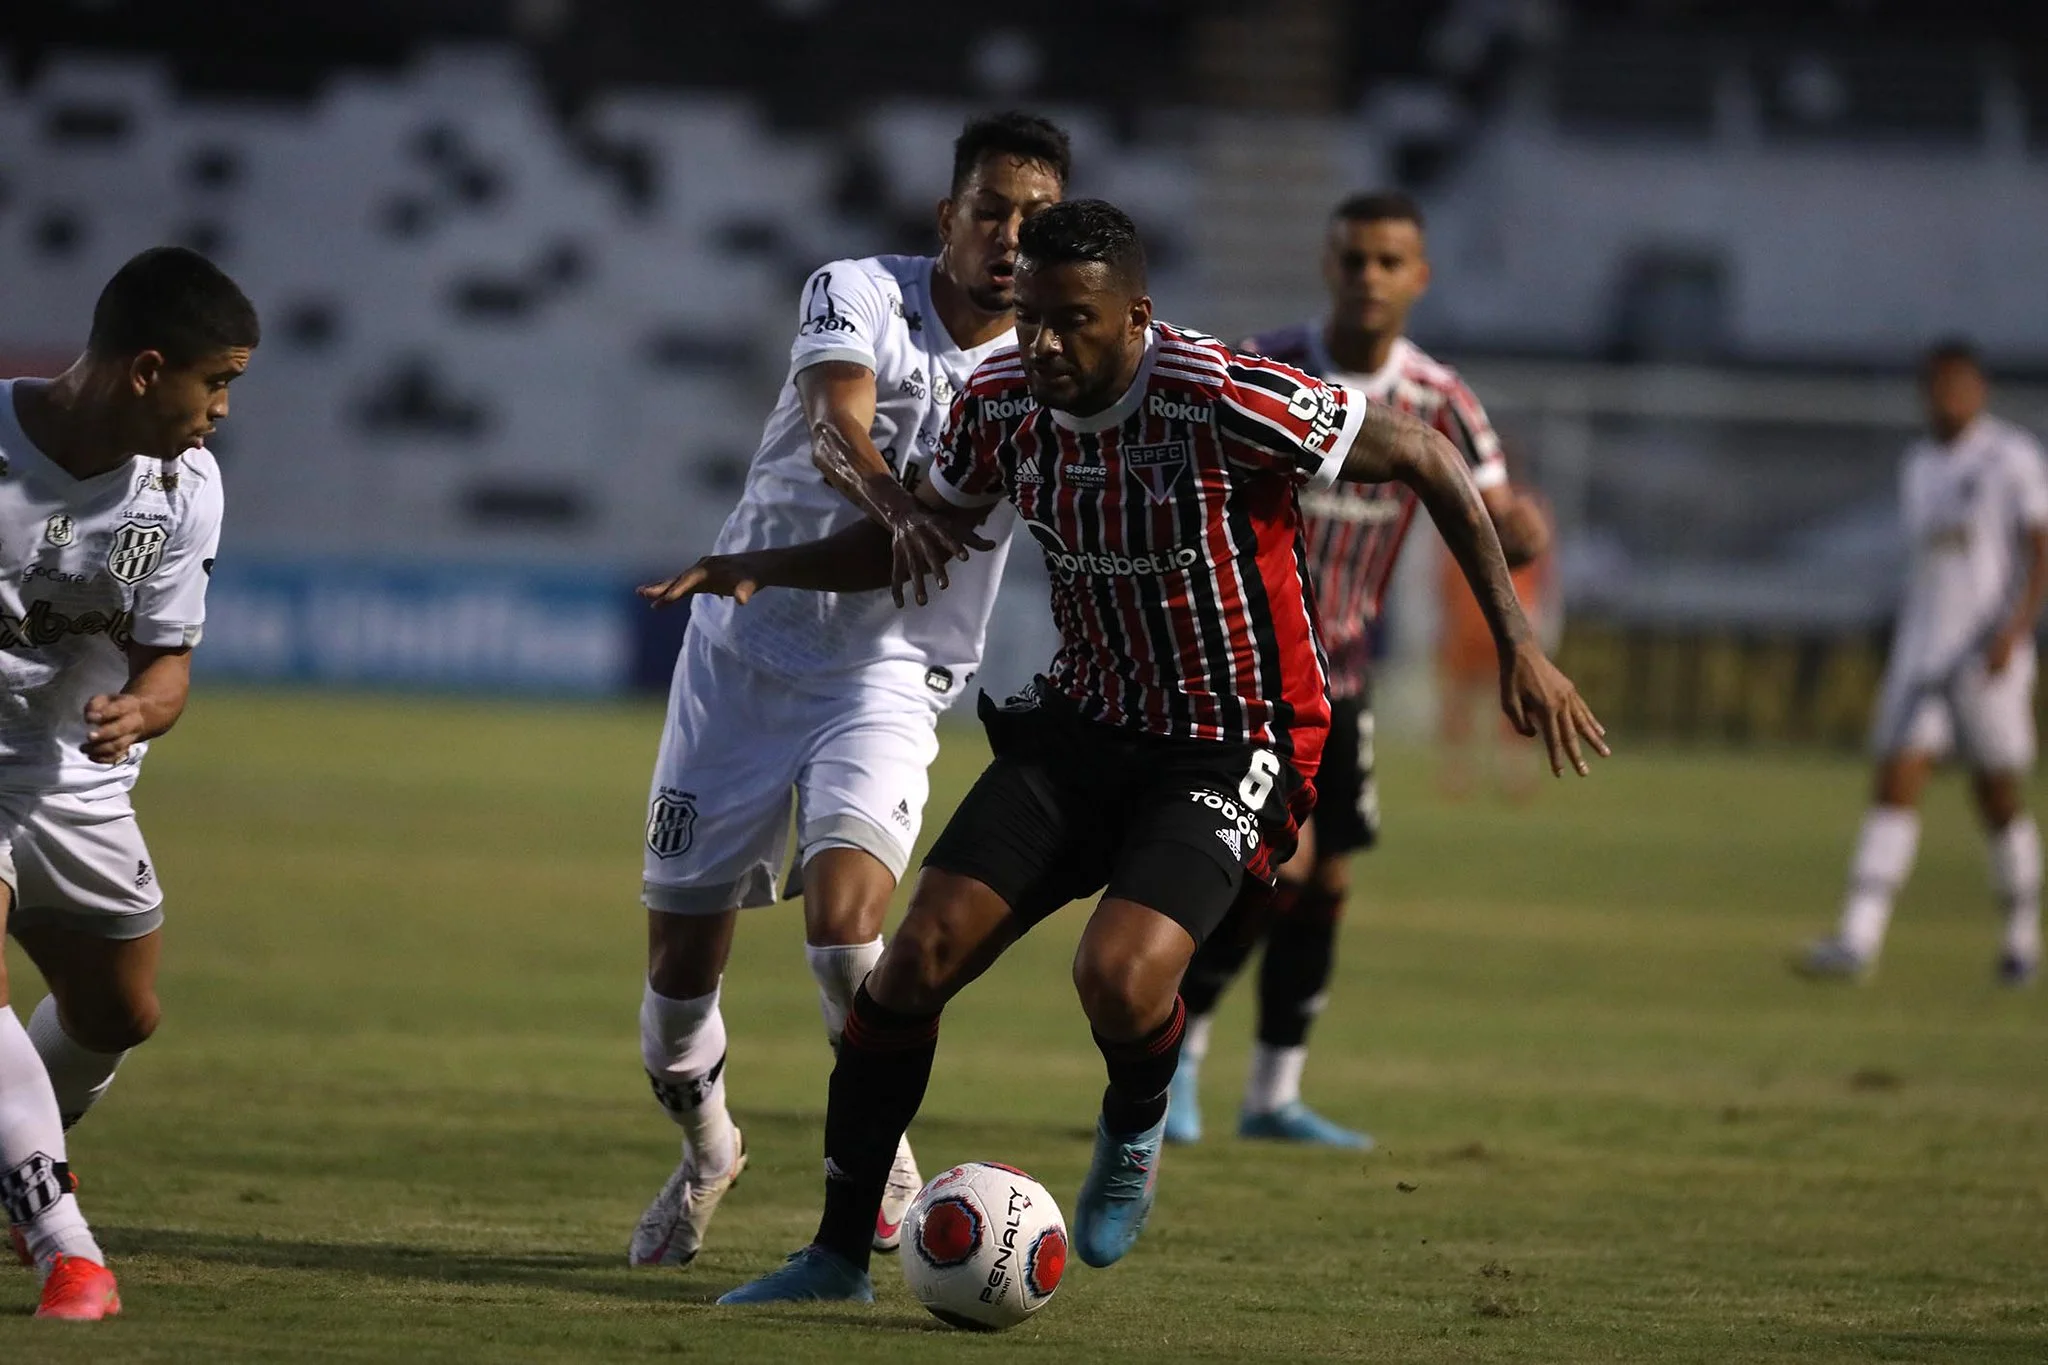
1180,581
1355,530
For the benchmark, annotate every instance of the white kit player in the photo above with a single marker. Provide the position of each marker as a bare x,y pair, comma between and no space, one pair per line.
1974,496
828,698
110,512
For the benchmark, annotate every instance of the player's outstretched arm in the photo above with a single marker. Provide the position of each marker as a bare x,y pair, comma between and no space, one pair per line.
839,404
1392,446
2027,610
861,558
159,681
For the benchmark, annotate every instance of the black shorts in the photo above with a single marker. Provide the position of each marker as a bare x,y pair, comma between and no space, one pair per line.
1347,814
1069,807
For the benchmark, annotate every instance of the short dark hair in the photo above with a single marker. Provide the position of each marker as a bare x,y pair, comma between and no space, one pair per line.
1379,206
1955,350
1011,134
172,299
1085,230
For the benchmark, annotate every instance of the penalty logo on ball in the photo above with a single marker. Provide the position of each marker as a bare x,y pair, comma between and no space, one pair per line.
949,1233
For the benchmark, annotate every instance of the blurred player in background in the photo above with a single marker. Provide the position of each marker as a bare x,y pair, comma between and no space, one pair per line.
110,512
1375,268
830,698
1468,676
1974,497
1166,753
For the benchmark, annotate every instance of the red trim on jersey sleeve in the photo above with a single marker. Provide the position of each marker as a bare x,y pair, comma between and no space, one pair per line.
968,471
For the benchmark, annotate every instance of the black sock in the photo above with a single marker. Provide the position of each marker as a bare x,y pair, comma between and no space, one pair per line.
1301,951
1139,1073
885,1061
1223,954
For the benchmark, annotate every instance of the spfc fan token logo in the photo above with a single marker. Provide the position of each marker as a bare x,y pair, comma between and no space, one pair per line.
671,822
1157,468
60,530
138,548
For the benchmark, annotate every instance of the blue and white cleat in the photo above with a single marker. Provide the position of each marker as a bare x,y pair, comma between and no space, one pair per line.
1296,1122
813,1275
1831,959
1116,1194
2016,971
1184,1102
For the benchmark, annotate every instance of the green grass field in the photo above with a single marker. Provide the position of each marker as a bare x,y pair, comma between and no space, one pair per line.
395,1112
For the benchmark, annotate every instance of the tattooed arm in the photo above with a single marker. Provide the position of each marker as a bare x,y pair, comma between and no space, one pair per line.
1391,446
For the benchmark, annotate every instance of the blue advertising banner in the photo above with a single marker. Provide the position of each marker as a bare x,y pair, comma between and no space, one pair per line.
510,629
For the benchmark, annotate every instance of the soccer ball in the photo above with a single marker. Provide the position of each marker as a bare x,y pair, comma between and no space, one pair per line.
984,1246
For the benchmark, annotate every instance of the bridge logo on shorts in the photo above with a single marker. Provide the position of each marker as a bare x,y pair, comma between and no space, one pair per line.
1157,468
138,548
671,823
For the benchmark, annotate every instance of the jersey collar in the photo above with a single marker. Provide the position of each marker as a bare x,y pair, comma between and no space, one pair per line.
1378,384
1116,413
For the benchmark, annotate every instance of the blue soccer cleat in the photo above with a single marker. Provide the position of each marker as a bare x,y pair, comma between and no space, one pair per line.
1116,1194
813,1275
1184,1102
1832,959
1296,1122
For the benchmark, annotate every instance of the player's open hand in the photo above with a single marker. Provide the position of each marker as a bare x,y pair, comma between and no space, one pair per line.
733,576
115,722
1541,700
923,542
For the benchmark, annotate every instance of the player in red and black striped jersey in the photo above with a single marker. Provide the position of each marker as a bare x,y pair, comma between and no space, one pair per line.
1165,755
1375,268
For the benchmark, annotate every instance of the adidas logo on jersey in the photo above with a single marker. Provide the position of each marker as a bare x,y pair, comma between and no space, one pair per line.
1233,841
1179,412
1029,472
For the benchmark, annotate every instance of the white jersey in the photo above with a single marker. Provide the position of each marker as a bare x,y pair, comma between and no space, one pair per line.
86,566
878,313
1967,506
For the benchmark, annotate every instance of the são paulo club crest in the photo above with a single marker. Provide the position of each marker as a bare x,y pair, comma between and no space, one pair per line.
671,823
137,549
1157,468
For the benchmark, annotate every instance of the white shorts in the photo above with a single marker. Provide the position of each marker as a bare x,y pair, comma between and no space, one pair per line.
78,863
739,743
1985,718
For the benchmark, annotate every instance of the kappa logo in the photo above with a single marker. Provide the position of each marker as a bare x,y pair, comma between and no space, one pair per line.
1003,409
60,530
671,823
137,549
1157,468
1161,406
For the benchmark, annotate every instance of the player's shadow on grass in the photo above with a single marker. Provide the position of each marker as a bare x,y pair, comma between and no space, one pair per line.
576,1272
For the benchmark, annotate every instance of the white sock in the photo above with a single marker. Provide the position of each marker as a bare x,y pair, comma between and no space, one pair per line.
31,1146
1275,1079
839,970
2016,872
682,1043
78,1075
1194,1040
1884,857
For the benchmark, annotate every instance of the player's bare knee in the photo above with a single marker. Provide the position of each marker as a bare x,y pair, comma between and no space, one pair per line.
1999,801
918,969
1123,995
115,1024
686,953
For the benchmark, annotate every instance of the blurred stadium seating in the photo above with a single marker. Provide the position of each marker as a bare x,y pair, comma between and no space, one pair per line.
528,270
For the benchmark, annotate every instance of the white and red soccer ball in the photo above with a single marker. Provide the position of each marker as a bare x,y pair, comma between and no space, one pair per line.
984,1246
